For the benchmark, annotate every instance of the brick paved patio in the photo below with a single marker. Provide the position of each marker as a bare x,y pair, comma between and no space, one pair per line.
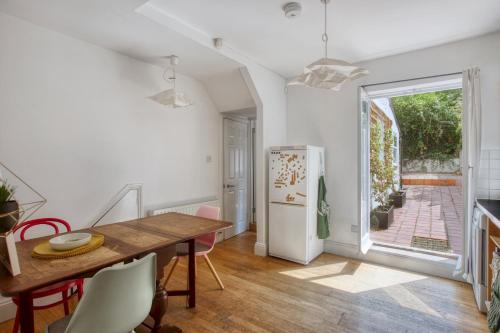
434,212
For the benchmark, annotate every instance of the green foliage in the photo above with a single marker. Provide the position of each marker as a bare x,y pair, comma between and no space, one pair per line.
381,169
430,124
6,192
388,158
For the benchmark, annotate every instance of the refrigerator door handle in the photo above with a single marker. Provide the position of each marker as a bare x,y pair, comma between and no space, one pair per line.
287,204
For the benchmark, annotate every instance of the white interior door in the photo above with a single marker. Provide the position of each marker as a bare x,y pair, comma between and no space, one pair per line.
235,185
364,172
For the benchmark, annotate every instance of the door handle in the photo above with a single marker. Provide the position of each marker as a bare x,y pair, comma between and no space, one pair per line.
229,186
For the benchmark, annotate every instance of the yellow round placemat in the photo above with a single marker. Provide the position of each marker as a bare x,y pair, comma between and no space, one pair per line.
45,251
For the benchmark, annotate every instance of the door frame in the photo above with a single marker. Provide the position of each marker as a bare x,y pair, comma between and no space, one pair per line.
438,83
247,121
364,240
251,167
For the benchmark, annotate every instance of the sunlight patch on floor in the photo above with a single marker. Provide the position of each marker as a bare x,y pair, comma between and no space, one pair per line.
354,278
368,277
407,299
317,271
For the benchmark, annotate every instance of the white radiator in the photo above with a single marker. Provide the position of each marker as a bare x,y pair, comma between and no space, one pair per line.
185,208
190,208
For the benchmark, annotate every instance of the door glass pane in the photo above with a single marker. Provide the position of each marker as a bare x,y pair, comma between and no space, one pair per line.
231,162
365,171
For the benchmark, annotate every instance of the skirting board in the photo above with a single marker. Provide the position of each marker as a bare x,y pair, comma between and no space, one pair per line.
260,249
7,309
419,263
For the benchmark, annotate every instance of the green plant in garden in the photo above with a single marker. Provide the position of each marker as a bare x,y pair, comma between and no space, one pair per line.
388,157
6,192
381,168
430,124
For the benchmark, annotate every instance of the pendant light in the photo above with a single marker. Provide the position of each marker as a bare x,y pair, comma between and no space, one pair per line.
327,73
171,97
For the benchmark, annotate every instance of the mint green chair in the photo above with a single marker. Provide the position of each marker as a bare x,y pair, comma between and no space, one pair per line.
116,300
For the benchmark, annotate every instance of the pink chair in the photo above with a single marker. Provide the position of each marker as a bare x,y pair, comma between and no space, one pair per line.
203,244
59,288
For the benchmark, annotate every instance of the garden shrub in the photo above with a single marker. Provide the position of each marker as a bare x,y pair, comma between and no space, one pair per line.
430,124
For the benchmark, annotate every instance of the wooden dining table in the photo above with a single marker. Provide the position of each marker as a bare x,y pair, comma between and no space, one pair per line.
123,242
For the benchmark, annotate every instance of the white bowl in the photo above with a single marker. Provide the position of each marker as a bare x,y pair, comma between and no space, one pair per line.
70,241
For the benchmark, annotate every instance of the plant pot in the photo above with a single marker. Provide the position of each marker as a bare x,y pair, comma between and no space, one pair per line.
385,216
398,198
7,222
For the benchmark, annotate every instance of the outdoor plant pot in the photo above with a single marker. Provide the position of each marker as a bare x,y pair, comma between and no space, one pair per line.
7,222
385,216
398,198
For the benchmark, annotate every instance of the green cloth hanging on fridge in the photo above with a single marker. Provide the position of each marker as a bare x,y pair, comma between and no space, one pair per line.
323,210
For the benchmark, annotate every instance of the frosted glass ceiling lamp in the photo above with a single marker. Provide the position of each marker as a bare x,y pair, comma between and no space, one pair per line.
327,73
171,97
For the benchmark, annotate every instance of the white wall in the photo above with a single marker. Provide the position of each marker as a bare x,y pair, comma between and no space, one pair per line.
229,91
268,92
330,119
75,124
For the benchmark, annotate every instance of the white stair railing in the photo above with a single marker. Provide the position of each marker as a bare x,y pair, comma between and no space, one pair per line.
137,187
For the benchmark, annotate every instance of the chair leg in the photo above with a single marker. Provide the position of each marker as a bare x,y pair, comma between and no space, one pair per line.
170,272
79,290
15,328
65,302
214,273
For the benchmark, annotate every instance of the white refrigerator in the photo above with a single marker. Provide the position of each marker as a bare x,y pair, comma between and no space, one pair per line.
294,173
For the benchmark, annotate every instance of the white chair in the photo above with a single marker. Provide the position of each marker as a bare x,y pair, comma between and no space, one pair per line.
116,300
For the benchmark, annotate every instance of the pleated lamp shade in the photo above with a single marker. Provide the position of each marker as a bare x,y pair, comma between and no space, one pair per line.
171,97
327,73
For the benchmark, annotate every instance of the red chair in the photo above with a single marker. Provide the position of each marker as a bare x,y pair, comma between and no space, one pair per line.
62,287
203,245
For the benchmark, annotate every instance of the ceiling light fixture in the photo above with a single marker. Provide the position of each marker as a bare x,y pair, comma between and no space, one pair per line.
171,97
327,73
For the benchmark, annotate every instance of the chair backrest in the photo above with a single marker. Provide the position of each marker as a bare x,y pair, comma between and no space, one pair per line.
209,212
117,299
58,225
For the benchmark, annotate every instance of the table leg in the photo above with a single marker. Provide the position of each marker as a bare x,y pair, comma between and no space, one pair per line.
159,307
192,274
26,313
160,301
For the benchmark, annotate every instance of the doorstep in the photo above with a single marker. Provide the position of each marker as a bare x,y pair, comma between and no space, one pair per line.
416,261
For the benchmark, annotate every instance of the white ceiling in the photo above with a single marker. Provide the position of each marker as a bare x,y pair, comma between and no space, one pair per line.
115,25
358,29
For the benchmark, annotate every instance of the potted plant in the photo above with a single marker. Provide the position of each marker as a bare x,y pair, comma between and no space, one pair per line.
382,174
9,208
398,197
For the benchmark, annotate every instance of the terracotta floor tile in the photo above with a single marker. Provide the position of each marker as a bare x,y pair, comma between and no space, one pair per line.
430,211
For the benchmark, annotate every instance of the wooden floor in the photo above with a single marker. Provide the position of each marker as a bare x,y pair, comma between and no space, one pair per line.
333,294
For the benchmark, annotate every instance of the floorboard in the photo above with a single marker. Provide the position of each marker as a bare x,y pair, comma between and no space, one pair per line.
333,294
